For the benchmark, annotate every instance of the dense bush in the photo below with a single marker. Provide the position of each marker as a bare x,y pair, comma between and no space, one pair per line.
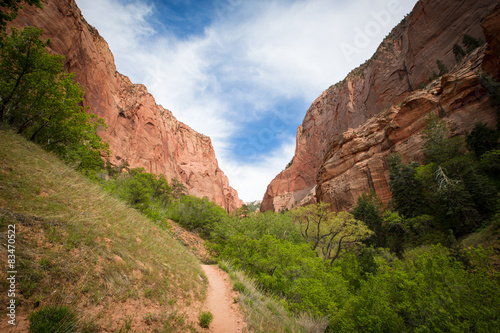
407,190
147,192
197,214
369,210
427,291
482,139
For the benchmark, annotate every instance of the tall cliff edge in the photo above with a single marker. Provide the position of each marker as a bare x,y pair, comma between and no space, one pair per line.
139,132
381,106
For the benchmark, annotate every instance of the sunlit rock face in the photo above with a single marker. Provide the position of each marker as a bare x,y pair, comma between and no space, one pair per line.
381,106
139,131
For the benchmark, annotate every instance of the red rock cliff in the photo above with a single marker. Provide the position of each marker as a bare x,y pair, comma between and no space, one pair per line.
379,107
139,131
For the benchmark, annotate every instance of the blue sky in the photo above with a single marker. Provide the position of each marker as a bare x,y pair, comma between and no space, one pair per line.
243,72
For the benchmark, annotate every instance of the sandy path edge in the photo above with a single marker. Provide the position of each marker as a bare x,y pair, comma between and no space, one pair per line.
220,302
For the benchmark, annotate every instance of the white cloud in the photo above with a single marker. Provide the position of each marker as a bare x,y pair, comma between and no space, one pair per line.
254,55
254,178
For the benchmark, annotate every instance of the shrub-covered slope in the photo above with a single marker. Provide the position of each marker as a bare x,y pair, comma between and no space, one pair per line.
76,246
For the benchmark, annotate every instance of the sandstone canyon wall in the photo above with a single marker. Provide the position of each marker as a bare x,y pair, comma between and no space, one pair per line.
139,132
380,107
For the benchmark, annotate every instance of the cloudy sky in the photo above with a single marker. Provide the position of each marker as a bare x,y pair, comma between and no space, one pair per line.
243,72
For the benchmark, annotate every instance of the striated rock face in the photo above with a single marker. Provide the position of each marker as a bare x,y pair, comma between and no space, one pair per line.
335,163
139,132
356,162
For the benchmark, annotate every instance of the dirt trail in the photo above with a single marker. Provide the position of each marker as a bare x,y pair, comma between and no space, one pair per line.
227,317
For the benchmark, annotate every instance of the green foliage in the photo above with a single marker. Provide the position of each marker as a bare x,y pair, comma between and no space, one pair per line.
439,147
43,103
490,162
407,190
412,232
366,289
459,52
10,9
52,319
147,192
205,319
331,234
178,189
452,187
369,210
471,43
482,139
442,68
268,223
428,291
253,206
197,214
455,205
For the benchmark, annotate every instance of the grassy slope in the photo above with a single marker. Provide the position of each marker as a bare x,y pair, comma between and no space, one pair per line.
80,247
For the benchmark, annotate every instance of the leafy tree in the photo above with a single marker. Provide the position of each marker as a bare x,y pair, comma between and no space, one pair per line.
369,210
140,189
490,162
178,189
439,147
43,103
242,211
10,9
198,214
442,68
330,234
482,139
481,188
471,43
407,191
459,52
455,204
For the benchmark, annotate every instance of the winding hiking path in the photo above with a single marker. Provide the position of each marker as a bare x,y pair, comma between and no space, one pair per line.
227,317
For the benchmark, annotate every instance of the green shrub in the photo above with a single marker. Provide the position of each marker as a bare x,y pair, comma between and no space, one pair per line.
482,139
459,52
369,210
442,68
471,43
238,286
197,214
53,319
205,318
428,291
